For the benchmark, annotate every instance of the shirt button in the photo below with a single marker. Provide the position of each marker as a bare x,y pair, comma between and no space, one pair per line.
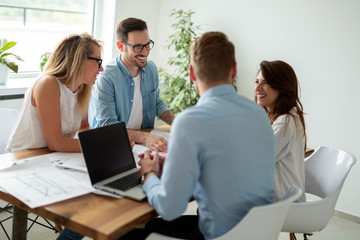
132,84
132,100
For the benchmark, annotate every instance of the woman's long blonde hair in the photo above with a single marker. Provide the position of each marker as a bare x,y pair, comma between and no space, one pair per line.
67,64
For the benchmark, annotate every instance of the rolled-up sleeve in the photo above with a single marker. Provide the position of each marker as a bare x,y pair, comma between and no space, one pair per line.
103,102
161,106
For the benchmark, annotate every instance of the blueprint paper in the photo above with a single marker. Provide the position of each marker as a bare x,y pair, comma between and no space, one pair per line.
38,182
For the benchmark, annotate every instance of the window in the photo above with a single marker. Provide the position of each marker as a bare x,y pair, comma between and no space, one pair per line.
38,25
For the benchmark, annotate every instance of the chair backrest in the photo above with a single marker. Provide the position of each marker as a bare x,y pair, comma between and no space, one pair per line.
325,173
326,169
264,222
7,121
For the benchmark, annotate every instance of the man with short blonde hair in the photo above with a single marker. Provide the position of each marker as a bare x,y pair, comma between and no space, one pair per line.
212,56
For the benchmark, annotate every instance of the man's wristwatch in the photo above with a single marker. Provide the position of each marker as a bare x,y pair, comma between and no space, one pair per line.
150,171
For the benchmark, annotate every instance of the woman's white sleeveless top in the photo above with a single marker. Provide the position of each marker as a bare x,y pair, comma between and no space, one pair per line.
28,133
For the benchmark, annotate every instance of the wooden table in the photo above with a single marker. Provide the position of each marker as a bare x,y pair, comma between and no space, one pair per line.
95,216
99,217
92,215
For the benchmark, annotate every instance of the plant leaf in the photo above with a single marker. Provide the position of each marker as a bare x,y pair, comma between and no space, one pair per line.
178,91
8,45
13,55
13,66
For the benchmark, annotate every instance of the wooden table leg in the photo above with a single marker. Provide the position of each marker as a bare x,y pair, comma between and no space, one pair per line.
19,228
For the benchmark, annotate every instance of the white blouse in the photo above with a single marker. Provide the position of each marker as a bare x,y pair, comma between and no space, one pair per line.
28,133
289,148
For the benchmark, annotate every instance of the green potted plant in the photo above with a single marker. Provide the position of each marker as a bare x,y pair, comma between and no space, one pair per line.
178,91
43,59
6,63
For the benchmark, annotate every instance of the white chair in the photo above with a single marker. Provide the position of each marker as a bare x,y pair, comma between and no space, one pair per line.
262,222
325,173
7,122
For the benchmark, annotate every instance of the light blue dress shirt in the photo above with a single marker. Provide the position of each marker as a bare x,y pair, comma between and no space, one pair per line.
113,93
221,151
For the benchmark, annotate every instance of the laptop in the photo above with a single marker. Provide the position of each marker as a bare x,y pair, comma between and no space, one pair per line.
110,161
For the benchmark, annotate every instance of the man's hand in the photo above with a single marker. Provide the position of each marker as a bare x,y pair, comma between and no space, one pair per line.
156,143
149,162
161,160
132,143
153,142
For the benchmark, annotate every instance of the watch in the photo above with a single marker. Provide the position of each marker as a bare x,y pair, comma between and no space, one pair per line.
150,171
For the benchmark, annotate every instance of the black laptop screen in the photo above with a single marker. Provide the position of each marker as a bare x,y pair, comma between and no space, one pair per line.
107,151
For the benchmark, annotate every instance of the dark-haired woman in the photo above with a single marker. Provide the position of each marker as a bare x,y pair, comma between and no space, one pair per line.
276,90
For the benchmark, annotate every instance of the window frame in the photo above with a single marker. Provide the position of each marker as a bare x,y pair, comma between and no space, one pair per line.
91,12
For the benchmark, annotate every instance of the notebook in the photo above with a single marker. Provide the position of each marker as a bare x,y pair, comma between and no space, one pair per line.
109,157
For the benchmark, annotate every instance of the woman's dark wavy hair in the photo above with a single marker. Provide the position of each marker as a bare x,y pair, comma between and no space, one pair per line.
281,77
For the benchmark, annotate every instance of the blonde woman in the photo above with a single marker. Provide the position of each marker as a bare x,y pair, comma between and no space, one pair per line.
55,107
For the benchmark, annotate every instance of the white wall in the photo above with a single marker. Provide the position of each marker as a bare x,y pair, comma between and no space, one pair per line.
320,39
111,12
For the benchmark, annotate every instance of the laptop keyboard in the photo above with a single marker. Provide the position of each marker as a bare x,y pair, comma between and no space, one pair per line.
126,182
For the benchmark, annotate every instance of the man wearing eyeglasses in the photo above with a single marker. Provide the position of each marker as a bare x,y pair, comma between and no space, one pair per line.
128,88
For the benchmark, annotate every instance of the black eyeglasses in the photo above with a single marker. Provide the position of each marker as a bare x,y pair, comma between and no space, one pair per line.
98,60
139,47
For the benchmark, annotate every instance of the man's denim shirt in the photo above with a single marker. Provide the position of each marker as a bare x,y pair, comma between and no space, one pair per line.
113,93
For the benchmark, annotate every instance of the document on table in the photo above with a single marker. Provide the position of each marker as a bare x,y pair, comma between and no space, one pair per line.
161,134
68,160
38,182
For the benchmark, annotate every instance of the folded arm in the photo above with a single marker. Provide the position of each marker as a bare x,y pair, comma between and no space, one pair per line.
153,142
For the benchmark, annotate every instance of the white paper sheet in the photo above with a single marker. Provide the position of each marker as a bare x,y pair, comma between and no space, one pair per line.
38,182
161,134
68,160
6,164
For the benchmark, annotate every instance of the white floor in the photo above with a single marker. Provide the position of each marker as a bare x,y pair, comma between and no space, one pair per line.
337,229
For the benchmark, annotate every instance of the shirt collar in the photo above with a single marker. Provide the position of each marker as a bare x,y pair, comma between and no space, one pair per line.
219,90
